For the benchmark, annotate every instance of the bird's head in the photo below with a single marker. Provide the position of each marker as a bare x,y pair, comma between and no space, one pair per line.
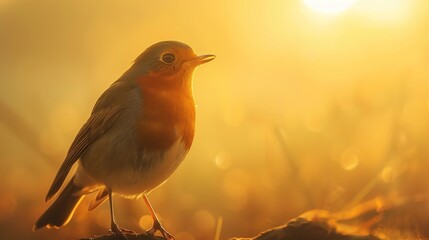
169,61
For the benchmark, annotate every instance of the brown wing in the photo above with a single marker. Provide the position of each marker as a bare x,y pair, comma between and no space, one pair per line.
96,125
107,109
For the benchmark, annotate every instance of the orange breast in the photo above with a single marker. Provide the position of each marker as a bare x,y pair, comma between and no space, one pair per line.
167,114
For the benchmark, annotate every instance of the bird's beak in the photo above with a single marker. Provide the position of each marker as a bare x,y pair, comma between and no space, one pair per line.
202,59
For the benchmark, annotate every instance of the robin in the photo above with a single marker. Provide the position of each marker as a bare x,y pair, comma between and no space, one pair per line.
139,131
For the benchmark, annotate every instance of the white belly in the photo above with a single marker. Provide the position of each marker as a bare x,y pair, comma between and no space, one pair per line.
125,169
135,182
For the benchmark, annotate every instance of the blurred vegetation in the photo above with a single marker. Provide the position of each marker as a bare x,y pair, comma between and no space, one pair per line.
300,110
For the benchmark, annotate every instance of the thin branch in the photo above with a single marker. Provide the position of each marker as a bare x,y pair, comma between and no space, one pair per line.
142,236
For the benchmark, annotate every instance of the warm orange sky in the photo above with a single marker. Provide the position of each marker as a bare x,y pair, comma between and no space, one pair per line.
346,85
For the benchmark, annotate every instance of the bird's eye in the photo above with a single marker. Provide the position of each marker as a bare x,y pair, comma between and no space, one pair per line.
168,58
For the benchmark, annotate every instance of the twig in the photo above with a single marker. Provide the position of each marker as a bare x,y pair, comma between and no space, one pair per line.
142,236
302,229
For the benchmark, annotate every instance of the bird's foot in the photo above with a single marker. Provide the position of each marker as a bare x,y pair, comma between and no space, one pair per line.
157,227
119,232
127,231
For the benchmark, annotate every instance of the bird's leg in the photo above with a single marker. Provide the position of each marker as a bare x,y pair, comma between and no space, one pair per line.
114,227
156,224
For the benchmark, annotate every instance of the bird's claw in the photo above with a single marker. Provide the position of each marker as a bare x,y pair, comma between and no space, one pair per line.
157,227
127,231
119,232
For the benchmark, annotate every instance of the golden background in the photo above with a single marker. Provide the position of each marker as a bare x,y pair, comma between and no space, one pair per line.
300,110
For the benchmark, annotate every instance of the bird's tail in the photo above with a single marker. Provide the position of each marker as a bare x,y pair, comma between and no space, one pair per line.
61,211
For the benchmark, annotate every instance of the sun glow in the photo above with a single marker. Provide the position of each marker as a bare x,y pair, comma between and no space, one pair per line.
329,6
